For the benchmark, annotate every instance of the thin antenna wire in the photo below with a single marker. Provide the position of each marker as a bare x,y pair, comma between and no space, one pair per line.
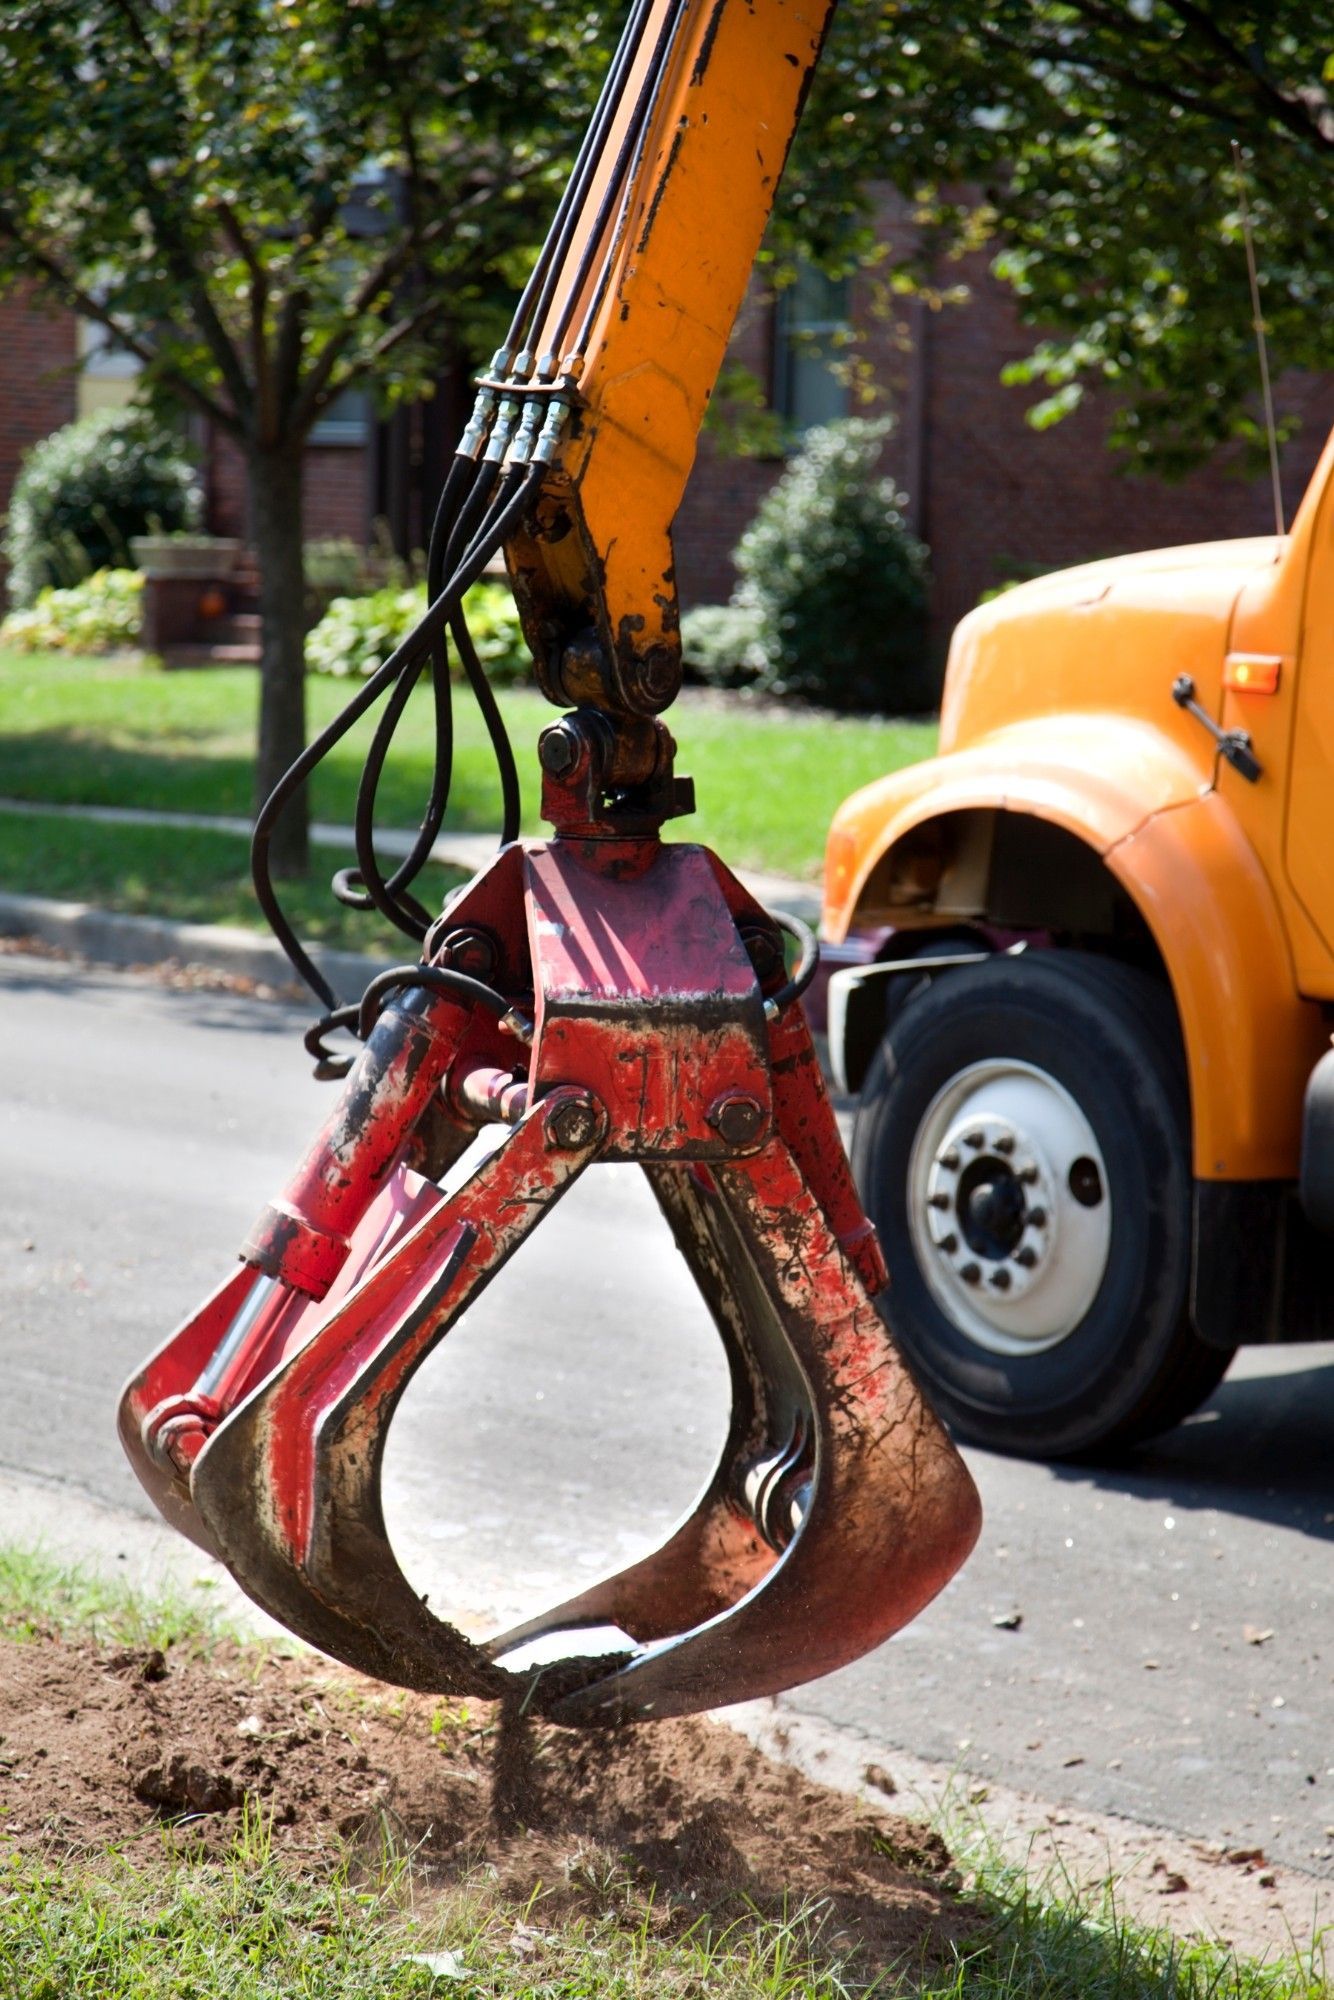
1257,322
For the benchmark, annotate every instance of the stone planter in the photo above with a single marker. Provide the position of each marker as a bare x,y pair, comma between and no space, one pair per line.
202,559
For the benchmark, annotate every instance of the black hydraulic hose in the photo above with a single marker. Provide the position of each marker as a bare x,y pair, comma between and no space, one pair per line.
617,189
808,963
593,139
439,978
390,898
428,629
581,180
511,802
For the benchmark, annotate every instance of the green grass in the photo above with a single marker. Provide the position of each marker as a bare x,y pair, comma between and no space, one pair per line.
253,1925
41,1595
250,1928
116,732
189,874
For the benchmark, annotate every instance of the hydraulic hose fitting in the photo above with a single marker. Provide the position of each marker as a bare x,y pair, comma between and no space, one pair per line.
503,431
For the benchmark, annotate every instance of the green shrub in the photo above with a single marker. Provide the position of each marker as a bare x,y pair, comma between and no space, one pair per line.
493,621
720,645
356,634
85,490
99,615
836,582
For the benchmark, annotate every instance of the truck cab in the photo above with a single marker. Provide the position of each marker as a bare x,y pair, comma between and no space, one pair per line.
1096,945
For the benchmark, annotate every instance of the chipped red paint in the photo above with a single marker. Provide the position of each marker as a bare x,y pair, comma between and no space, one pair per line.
838,1507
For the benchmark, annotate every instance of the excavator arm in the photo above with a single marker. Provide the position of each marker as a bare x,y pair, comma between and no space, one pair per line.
661,253
602,996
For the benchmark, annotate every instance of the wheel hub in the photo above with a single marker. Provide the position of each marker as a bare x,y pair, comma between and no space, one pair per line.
1008,1206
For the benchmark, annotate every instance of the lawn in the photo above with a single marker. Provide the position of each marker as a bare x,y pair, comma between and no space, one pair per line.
117,733
254,1898
189,874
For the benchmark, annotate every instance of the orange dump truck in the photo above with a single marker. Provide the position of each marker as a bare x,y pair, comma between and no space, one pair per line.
1096,936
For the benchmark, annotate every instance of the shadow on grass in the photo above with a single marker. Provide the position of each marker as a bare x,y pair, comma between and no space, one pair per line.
67,766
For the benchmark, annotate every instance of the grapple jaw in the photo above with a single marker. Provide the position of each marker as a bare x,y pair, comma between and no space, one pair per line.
838,1507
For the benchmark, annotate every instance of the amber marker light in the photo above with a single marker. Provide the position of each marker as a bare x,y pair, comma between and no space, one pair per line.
1252,673
840,862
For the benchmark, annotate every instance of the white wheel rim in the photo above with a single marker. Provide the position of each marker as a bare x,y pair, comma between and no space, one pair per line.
1009,1207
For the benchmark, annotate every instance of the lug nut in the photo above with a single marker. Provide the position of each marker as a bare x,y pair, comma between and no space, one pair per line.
975,1139
970,1273
950,1160
737,1118
1001,1279
572,1125
1026,1255
939,1200
1004,1145
1037,1217
949,1244
1028,1175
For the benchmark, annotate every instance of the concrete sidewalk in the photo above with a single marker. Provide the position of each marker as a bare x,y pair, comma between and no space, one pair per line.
110,939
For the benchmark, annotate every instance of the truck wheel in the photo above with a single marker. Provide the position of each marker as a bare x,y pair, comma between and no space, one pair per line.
1023,1147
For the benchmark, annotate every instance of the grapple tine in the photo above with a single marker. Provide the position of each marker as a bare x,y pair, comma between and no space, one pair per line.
885,1508
289,1485
717,1552
838,1507
178,1388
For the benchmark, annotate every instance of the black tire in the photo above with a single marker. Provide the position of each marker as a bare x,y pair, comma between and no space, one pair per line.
1132,1365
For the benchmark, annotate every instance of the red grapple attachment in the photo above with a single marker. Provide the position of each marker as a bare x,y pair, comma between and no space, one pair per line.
638,1030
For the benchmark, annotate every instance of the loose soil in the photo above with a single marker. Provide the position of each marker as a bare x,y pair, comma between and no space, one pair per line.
103,1749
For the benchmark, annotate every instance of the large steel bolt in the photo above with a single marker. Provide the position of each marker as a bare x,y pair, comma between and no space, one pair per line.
470,951
573,1124
764,949
558,749
737,1118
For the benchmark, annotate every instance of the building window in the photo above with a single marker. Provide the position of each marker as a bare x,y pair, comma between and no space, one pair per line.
811,326
346,421
107,373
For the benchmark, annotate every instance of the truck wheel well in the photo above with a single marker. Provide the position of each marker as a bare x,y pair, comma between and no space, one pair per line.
964,879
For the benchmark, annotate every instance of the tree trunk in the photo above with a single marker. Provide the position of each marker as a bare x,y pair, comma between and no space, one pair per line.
275,506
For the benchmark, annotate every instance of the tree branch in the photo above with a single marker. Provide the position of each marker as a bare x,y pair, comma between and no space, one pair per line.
1299,117
259,299
311,397
91,307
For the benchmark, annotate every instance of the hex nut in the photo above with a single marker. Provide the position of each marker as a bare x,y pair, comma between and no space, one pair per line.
470,951
558,750
737,1118
573,1124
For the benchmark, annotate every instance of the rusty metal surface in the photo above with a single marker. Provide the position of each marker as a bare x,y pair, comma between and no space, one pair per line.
837,1508
289,1486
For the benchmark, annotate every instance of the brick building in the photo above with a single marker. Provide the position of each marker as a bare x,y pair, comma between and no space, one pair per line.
991,497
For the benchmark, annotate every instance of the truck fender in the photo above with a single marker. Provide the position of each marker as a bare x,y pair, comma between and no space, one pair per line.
1175,847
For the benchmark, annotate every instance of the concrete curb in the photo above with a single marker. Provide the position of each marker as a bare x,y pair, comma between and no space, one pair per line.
108,939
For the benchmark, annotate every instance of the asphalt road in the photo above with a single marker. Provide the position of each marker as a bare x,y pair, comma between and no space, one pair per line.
573,1414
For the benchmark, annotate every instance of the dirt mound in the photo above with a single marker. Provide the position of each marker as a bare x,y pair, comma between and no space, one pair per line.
106,1748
